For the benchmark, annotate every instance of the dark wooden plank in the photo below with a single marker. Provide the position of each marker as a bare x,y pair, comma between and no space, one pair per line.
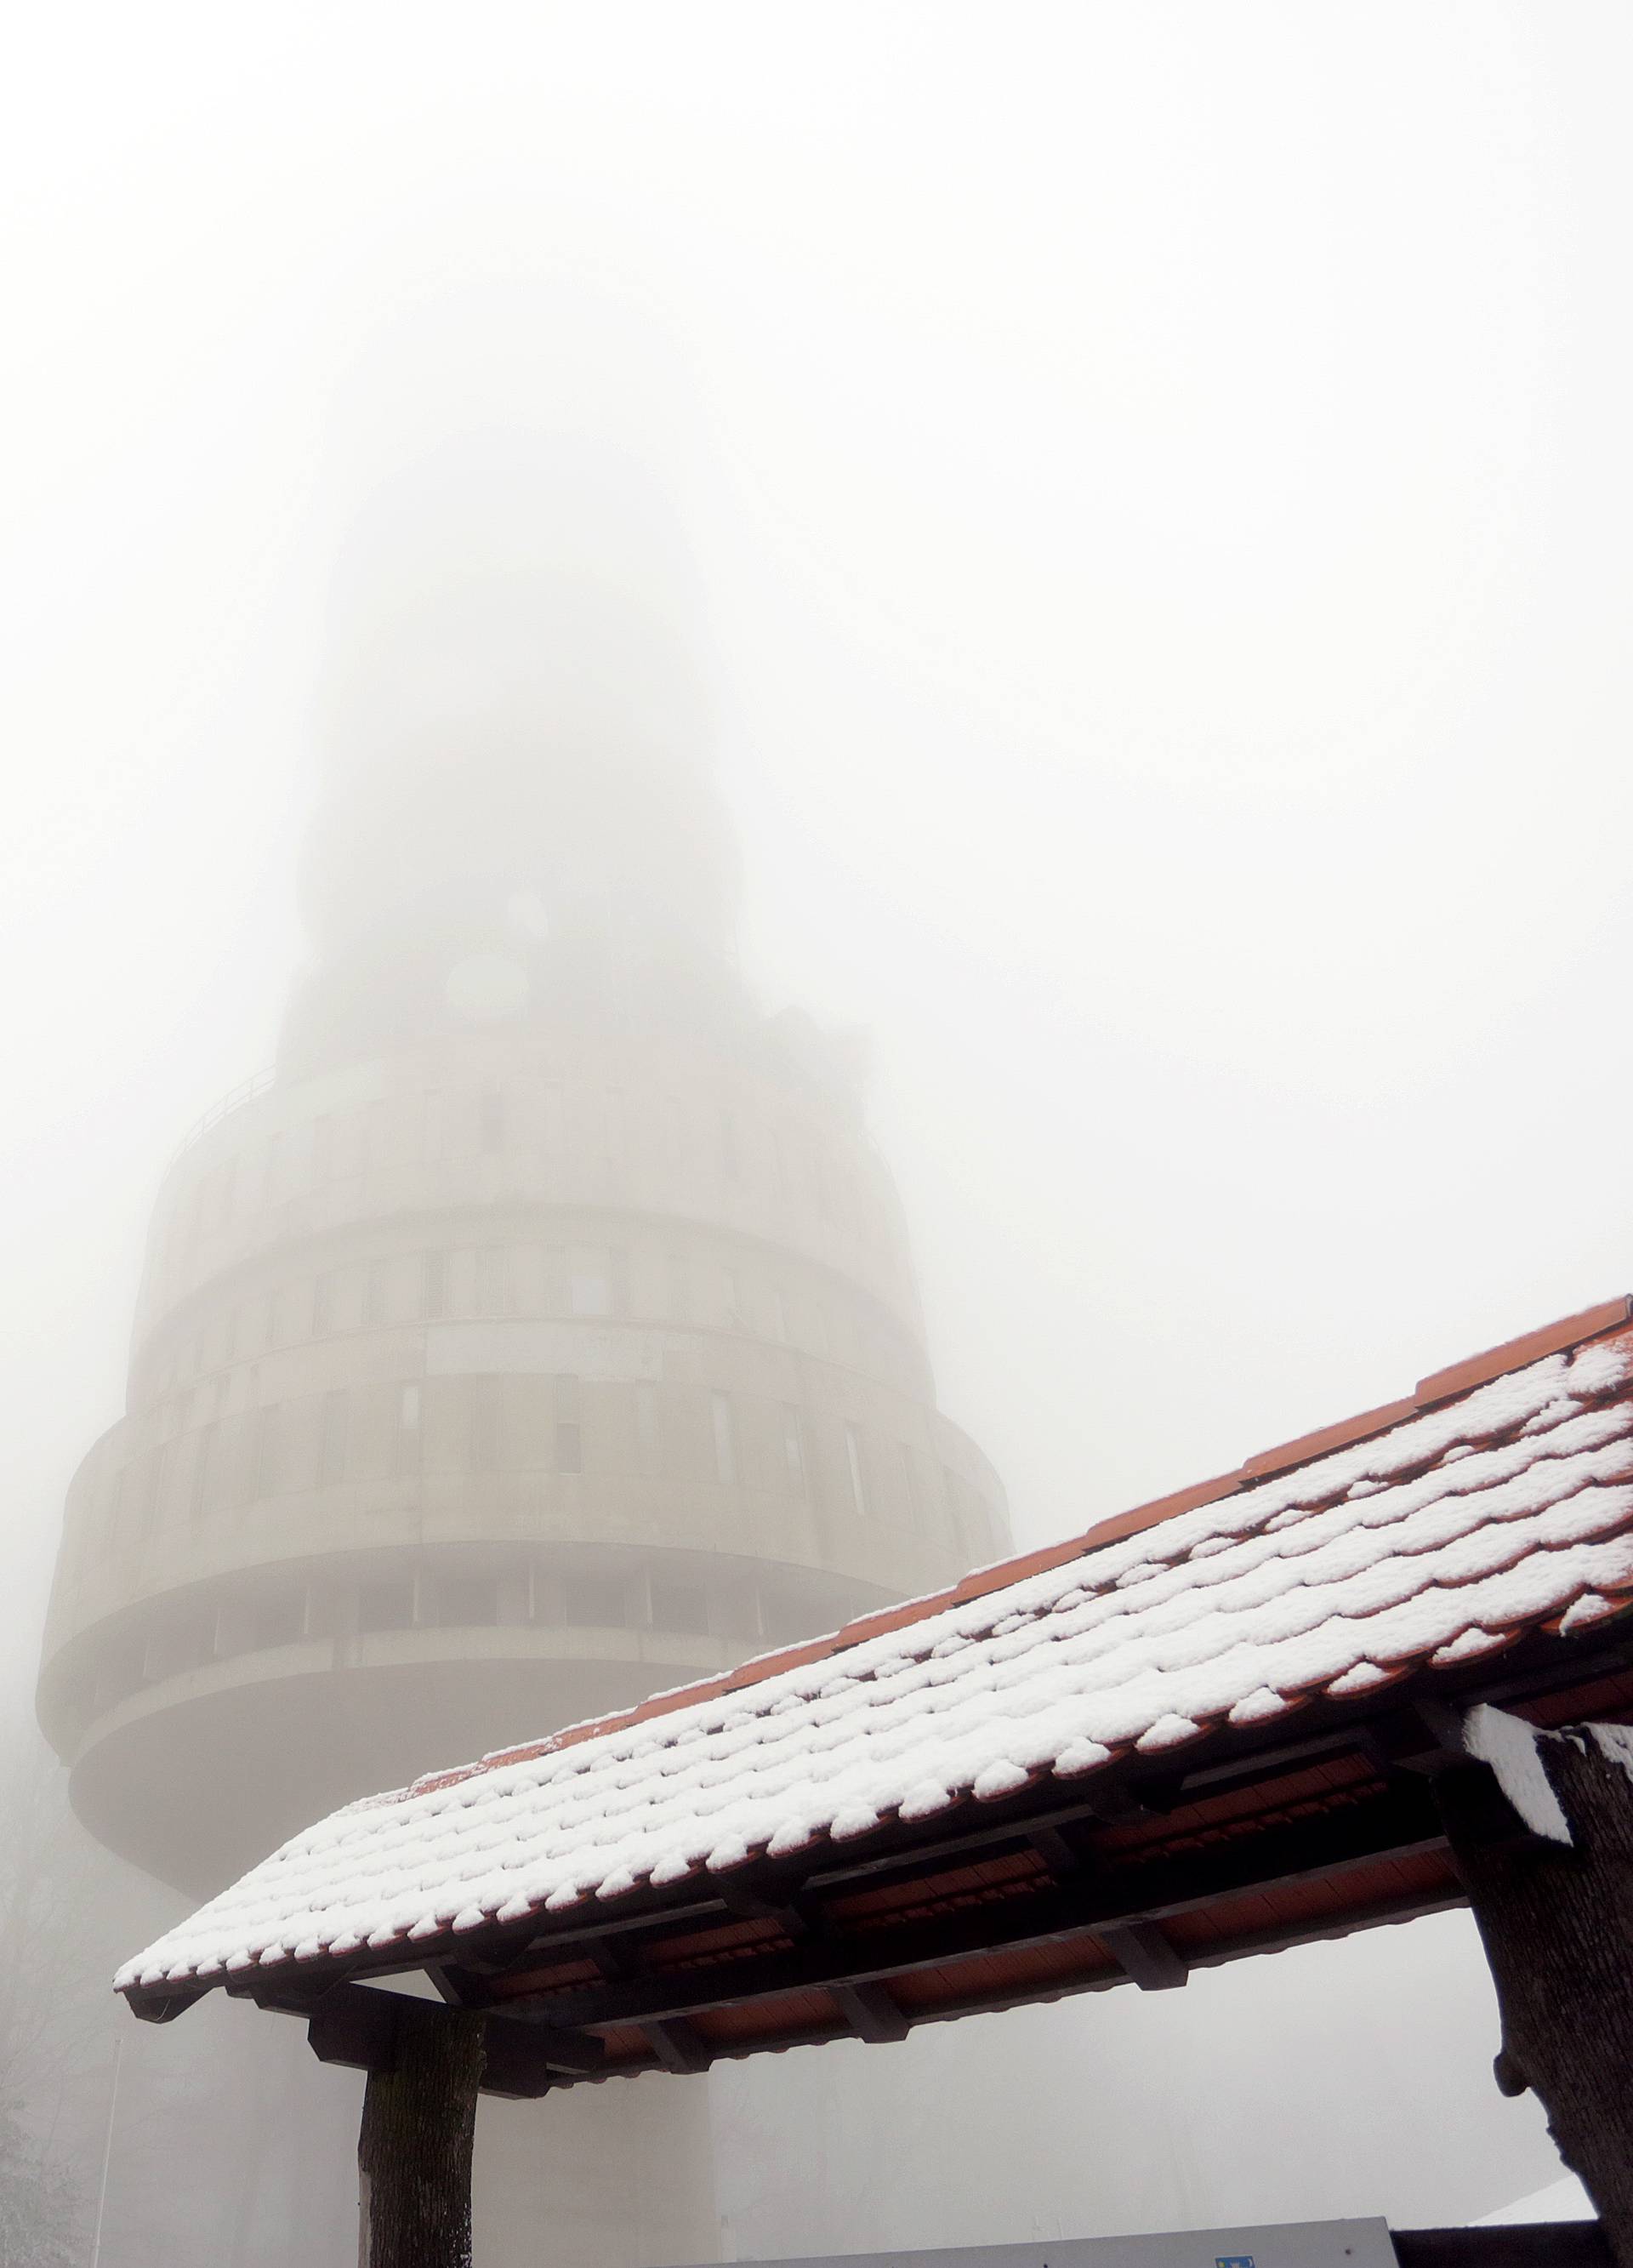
1527,2244
361,2026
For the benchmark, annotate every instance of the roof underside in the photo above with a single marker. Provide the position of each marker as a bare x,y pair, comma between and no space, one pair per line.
1197,1733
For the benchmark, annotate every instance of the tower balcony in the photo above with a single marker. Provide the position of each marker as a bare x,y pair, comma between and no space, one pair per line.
719,1142
317,1589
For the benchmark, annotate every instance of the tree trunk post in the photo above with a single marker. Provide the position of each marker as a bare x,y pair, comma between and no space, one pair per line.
1556,1920
414,2147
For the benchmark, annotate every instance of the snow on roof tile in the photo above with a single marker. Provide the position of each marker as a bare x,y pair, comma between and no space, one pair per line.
1497,1501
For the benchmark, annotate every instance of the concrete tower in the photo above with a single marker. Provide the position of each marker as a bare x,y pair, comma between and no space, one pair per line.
540,1332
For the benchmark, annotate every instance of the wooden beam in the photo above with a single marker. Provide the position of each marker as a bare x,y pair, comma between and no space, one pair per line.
363,2027
357,2028
1055,1851
497,1951
513,2069
1260,1764
748,1904
1141,1951
870,2011
926,1853
164,2006
677,2046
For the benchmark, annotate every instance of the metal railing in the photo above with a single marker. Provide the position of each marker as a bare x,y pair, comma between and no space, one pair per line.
235,1099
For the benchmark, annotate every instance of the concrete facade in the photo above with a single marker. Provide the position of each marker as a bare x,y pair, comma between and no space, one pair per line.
541,1333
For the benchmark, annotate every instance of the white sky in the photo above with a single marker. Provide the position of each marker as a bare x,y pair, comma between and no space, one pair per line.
1160,477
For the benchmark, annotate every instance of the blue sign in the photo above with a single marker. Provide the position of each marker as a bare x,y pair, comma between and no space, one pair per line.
1235,2260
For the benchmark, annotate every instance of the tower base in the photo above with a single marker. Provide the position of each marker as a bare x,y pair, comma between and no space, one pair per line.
613,2177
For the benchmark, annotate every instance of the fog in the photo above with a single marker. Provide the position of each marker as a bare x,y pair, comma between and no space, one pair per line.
1128,507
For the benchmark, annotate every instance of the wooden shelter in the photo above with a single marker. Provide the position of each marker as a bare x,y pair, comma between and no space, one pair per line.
1286,1704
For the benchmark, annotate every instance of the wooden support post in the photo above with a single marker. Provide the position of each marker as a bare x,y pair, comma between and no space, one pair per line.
1556,1920
414,2149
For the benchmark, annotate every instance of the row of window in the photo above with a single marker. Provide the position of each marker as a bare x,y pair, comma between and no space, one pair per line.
493,1121
636,1599
538,1282
559,1424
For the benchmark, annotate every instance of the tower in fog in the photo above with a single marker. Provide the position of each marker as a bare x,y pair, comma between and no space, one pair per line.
541,1330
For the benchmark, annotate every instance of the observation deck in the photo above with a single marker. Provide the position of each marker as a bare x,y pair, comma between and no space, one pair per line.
493,1382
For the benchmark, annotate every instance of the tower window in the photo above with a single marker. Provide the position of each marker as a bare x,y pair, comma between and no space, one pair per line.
268,1450
646,1421
680,1607
468,1602
569,1439
591,1282
242,1432
183,1646
203,1455
408,1428
595,1601
138,1490
858,1470
283,1319
726,1438
487,1424
434,1283
280,1620
493,1280
387,1606
332,1436
794,1449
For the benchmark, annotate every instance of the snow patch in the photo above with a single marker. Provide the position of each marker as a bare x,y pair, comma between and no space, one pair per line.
1512,1750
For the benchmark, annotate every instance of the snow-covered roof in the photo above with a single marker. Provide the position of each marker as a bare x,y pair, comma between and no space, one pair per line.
1497,1503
